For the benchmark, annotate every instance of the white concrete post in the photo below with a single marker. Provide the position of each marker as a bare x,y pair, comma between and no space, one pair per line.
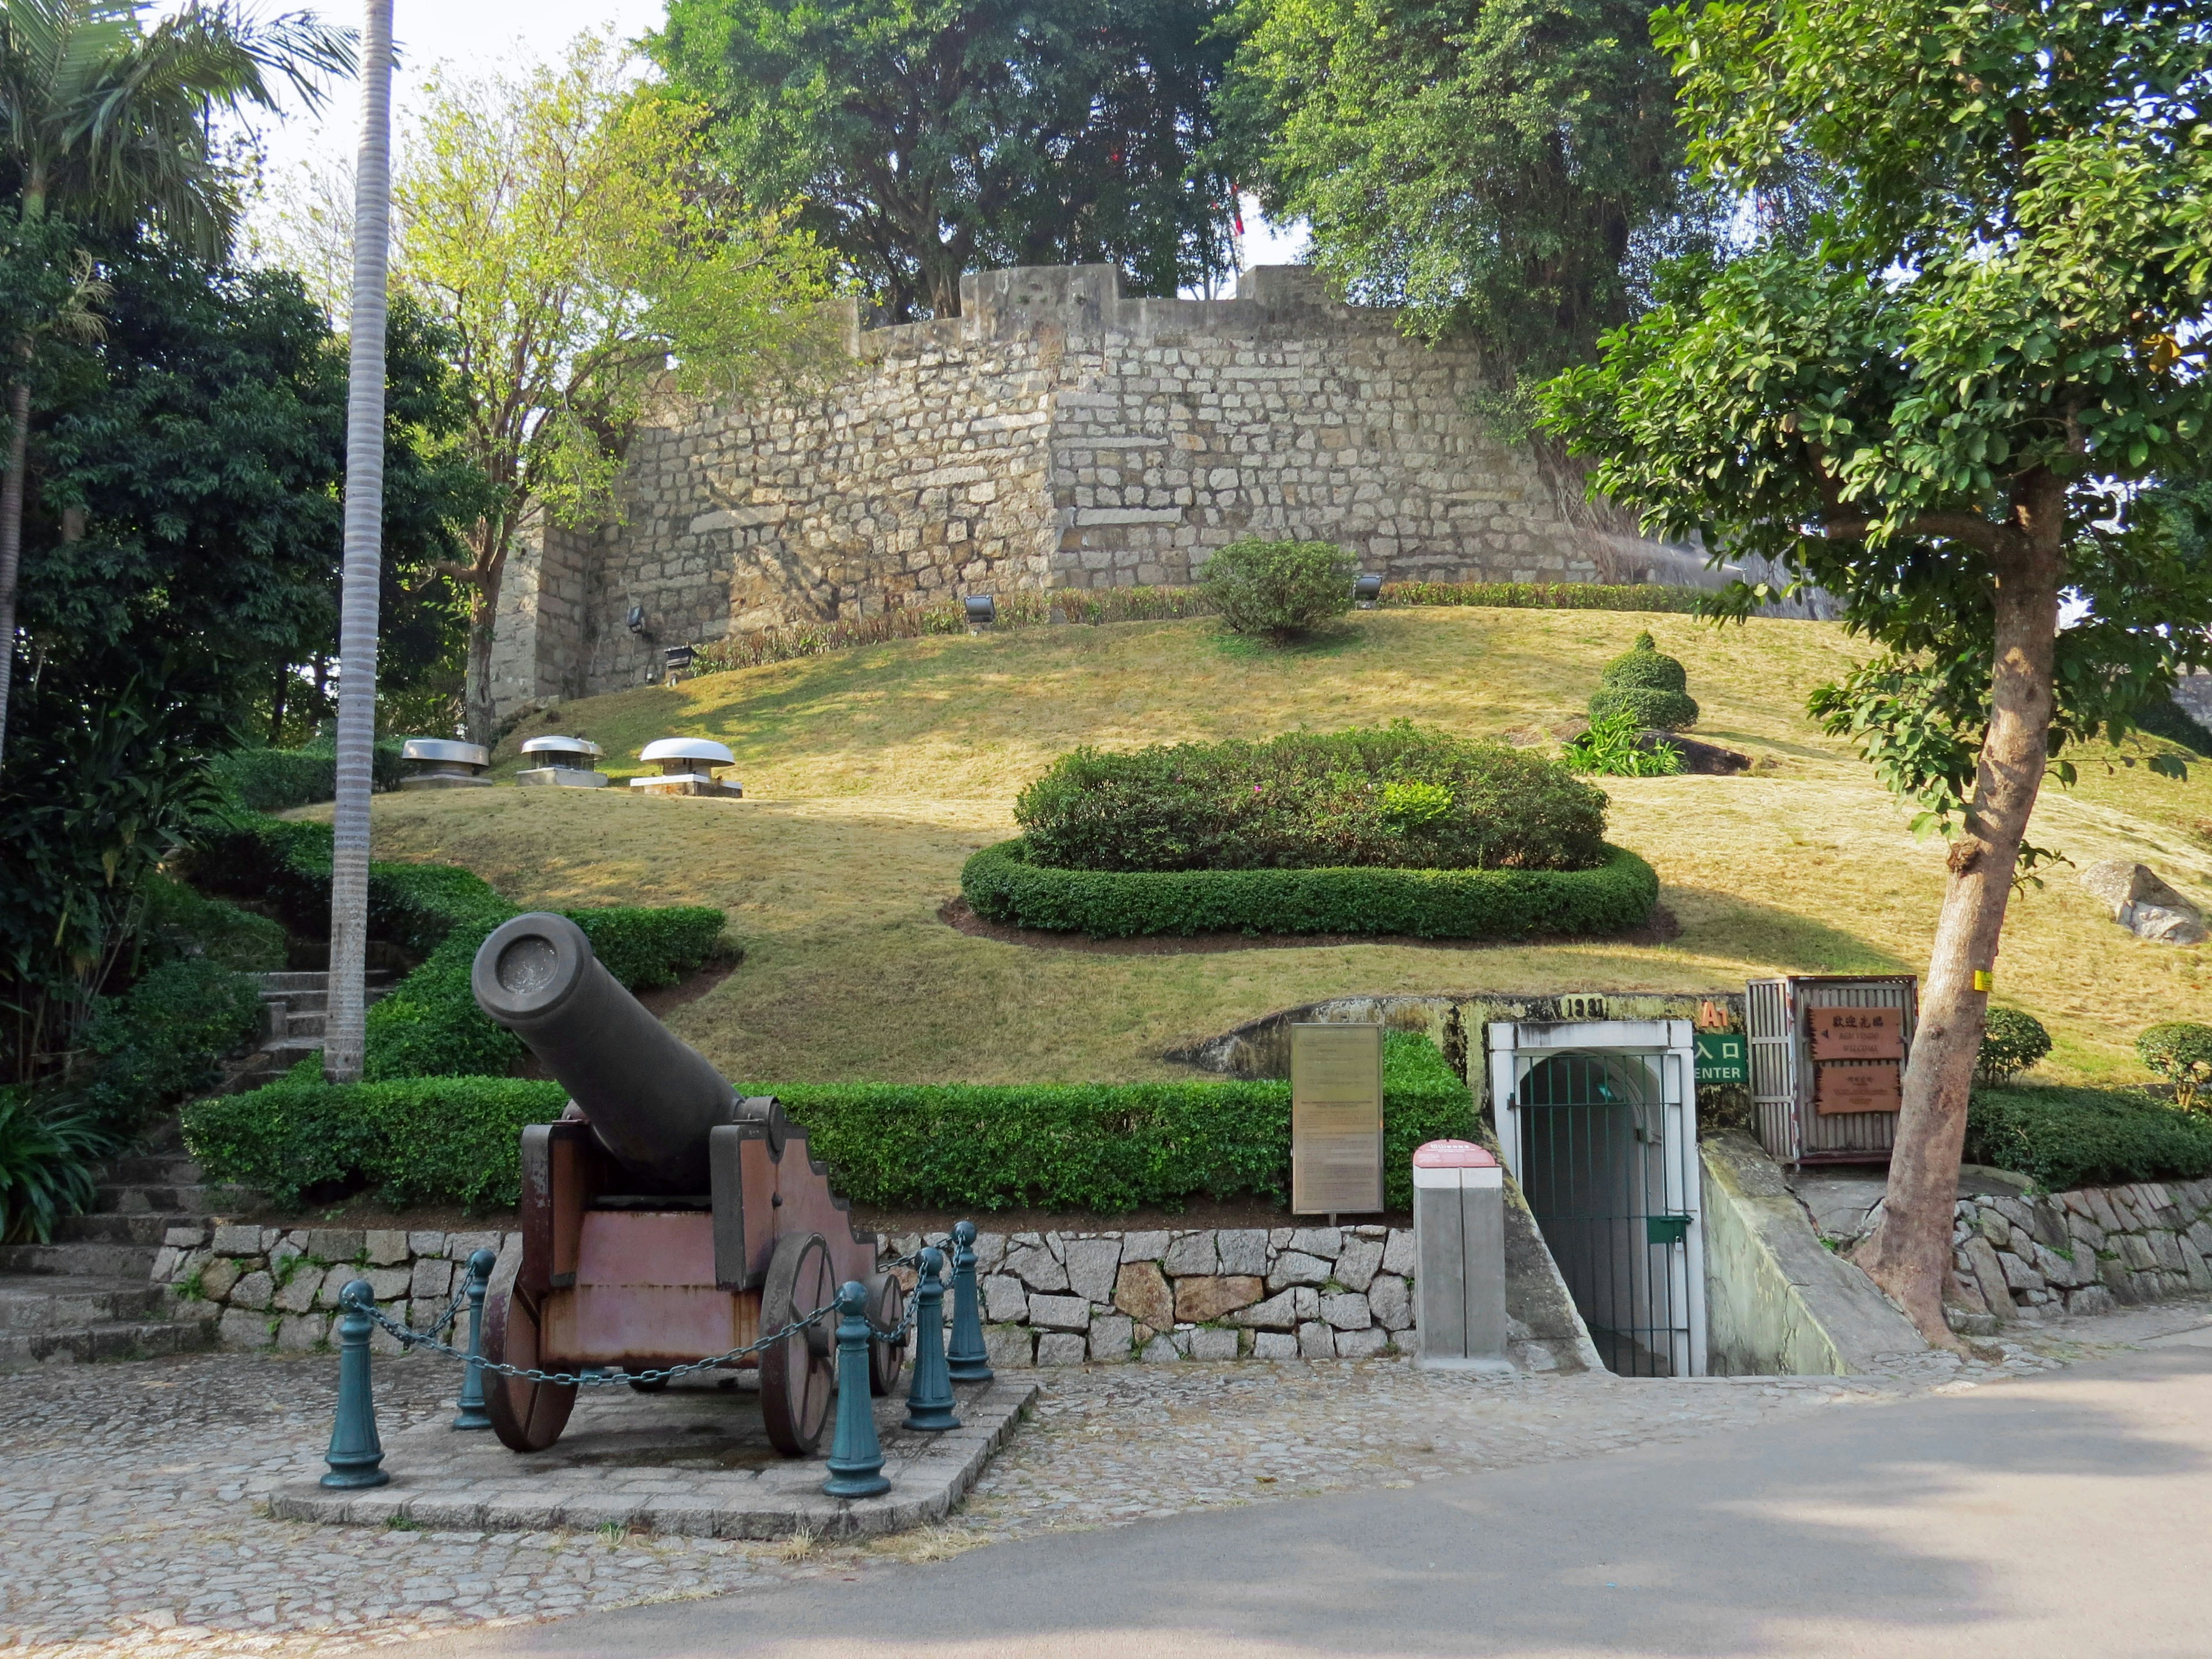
1459,1247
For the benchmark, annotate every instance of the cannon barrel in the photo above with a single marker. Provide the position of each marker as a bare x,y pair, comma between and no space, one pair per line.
651,1098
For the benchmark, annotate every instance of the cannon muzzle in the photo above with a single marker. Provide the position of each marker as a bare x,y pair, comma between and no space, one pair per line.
650,1097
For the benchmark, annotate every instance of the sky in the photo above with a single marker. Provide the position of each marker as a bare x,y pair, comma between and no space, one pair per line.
477,35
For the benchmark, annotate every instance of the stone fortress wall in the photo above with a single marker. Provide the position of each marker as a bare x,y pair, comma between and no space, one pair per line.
1056,435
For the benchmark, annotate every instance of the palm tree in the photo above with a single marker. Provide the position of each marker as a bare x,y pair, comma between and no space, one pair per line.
345,1036
106,123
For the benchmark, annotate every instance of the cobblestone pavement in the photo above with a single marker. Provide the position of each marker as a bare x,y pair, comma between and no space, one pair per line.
129,1525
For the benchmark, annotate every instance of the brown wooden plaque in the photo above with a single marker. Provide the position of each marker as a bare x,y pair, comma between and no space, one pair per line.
1336,1118
1863,1086
1856,1033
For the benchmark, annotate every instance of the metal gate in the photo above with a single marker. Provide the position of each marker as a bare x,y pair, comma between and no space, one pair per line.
1598,1121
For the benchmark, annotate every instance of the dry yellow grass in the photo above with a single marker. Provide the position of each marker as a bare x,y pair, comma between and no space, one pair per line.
871,775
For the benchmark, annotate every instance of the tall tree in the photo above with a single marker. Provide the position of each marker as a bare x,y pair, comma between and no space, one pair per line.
1942,410
106,122
1505,169
928,138
345,1040
563,225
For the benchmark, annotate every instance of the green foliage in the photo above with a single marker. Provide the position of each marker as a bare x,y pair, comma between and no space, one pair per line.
1103,1147
48,1166
2169,720
1309,800
278,779
2013,1041
1002,885
1954,388
2180,1051
430,1026
1281,589
928,140
1551,596
2074,1137
1646,686
159,1042
1505,168
181,921
1610,747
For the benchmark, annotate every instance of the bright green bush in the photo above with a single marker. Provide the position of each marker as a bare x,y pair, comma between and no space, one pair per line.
2012,1043
1609,749
1398,798
1280,589
182,922
161,1040
48,1167
1101,1147
1002,885
2180,1051
277,780
1645,686
2072,1137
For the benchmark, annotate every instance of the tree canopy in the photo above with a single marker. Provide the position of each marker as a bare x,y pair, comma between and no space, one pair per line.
1943,405
1504,168
923,139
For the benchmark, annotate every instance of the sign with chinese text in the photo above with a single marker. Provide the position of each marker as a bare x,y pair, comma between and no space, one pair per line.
1336,1118
1863,1086
1856,1033
1721,1058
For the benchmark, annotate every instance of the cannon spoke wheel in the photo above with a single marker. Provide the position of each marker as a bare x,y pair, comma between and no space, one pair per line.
798,1374
887,1359
527,1417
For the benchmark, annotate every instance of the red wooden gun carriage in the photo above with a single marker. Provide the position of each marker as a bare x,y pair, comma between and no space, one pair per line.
664,1217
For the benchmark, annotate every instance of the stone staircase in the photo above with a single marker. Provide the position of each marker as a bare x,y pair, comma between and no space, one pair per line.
88,1295
296,1008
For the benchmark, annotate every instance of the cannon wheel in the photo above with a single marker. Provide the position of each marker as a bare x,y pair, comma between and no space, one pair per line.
798,1373
527,1417
887,1359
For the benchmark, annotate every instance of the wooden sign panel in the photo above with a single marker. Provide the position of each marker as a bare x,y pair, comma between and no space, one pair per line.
1336,1118
1856,1033
1874,1086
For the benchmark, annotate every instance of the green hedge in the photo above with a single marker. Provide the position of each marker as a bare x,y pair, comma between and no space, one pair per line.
430,1026
277,780
1002,885
1551,596
1101,1147
2075,1137
162,1039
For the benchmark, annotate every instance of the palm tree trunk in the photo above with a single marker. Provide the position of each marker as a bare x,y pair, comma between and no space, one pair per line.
11,524
346,1038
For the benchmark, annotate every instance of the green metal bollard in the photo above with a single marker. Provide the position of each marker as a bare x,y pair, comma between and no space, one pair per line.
856,1457
929,1401
472,1414
355,1452
969,1361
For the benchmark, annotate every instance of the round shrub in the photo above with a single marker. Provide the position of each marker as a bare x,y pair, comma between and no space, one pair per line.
2012,1042
1280,589
1646,685
1399,798
2180,1051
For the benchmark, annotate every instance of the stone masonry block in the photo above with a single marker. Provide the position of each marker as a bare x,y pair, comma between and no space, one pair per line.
233,1240
1141,1291
1010,1347
1060,1313
1037,1267
1398,1252
431,1276
1111,1335
1278,1312
1362,1259
1324,1241
1348,1312
386,1247
1242,1251
1193,1252
1091,1267
1391,1301
1317,1341
1213,1345
1294,1267
1201,1300
1005,1302
240,1328
1060,1348
1361,1345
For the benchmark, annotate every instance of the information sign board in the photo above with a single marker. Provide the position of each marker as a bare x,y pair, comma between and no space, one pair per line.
1721,1058
1857,1086
1856,1033
1336,1118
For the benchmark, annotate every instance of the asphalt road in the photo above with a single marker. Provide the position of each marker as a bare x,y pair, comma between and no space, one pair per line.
2068,1516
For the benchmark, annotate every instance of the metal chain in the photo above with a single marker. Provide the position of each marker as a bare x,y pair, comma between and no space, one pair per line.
414,1338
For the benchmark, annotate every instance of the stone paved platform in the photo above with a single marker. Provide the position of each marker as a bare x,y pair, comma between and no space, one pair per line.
693,1461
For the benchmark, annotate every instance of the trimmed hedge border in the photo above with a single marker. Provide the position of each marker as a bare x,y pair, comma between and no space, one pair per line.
1001,885
1101,1147
2066,1136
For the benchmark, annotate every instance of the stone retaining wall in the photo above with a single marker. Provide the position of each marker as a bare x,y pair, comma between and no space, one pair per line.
2084,1251
1049,1298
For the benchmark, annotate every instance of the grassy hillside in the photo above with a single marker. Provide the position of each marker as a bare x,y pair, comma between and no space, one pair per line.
871,775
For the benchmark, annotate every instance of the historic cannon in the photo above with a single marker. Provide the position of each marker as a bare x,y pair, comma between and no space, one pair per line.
665,1219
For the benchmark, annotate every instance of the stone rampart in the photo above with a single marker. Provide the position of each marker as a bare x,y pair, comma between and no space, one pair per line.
1056,435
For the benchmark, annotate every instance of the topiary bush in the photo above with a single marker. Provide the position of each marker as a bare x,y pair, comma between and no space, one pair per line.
1646,685
1101,1147
2012,1043
2070,1137
2180,1051
1395,798
1280,589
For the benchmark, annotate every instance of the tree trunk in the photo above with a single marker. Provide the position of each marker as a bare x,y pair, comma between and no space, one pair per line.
1910,1253
277,705
478,709
12,523
345,1042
